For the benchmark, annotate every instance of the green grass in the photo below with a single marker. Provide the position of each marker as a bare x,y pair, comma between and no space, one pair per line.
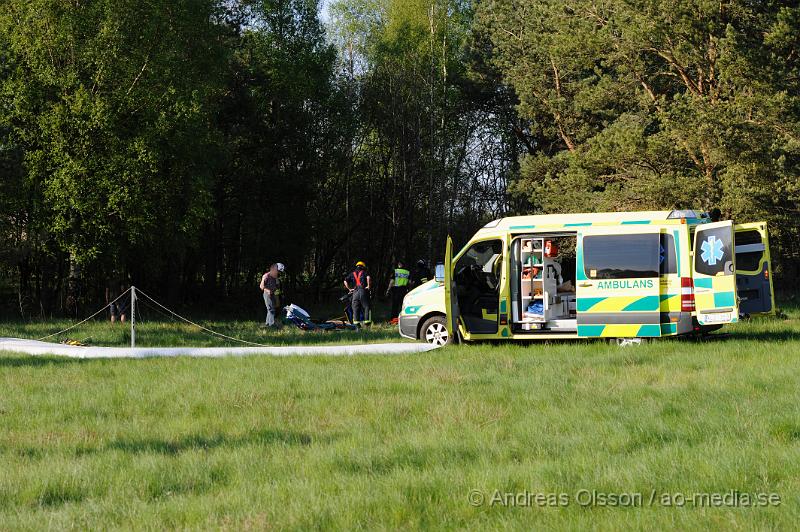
378,442
153,333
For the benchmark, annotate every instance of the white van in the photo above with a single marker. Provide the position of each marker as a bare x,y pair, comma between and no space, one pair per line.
589,275
423,315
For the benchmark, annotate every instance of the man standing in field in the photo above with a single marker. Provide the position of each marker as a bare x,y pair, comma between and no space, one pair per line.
269,287
359,284
117,306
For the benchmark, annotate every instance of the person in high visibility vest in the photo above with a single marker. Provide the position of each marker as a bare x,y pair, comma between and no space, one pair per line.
398,286
359,284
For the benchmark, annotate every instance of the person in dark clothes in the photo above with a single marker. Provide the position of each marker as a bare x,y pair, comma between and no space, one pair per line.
421,274
269,287
359,284
118,306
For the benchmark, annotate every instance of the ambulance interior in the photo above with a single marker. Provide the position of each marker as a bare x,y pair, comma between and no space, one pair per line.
543,283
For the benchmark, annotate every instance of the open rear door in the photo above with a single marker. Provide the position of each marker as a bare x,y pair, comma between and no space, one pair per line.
753,269
450,299
618,282
714,273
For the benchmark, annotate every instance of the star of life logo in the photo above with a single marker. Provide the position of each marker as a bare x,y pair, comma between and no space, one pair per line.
712,251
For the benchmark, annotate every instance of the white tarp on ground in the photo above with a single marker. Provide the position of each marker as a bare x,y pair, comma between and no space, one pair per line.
35,347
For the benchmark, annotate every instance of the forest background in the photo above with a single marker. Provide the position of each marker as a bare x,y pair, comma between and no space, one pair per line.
184,145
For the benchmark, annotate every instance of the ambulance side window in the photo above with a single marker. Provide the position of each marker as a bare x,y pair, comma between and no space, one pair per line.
667,260
621,256
749,250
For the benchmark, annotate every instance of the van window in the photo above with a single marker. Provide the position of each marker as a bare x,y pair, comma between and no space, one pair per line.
749,250
667,260
482,257
621,256
713,254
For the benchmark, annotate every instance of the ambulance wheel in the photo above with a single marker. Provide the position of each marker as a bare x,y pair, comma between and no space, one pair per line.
434,331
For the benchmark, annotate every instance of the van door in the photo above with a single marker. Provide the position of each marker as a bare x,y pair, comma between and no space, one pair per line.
617,275
753,269
713,270
450,299
477,276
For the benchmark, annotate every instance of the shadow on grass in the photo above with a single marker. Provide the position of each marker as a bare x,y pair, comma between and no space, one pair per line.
201,442
408,458
57,495
178,445
35,361
787,335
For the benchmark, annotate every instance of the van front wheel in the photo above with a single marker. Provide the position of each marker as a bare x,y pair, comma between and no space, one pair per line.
434,331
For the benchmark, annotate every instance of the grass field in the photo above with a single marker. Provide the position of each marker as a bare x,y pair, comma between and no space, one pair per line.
168,333
418,441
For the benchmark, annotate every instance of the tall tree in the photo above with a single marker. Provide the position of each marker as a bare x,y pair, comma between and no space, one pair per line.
105,107
645,104
275,119
430,158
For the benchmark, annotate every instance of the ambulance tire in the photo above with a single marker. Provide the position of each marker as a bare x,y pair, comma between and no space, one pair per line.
434,331
706,330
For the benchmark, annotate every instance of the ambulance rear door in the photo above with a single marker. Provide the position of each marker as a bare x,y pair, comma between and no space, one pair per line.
753,269
713,272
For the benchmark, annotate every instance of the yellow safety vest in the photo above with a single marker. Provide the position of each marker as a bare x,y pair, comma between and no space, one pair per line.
401,277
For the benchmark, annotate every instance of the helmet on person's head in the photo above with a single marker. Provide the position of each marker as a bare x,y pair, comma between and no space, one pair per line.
421,263
361,264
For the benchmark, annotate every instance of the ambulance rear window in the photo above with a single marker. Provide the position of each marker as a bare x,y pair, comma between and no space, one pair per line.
751,236
621,256
749,250
712,254
667,261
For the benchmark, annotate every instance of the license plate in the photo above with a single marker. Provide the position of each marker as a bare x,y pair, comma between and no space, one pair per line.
721,317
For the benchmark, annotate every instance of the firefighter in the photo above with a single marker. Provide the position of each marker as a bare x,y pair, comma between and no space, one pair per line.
398,286
359,284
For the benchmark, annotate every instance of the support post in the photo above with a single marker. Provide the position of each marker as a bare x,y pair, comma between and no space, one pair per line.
133,317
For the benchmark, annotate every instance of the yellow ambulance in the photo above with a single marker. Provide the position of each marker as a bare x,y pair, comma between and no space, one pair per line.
614,275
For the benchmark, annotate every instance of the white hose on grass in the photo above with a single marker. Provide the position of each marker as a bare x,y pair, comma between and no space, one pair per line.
36,347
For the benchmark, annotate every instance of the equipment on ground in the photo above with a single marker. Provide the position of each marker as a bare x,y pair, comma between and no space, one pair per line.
303,320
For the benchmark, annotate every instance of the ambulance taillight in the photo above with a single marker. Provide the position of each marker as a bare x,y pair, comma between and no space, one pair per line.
687,294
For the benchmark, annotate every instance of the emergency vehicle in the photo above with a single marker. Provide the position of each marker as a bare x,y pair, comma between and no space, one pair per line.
613,275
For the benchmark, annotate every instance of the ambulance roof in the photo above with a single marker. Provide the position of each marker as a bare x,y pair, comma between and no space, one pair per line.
513,223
